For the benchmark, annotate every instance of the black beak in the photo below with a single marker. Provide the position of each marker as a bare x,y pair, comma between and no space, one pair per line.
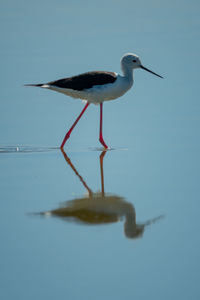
150,71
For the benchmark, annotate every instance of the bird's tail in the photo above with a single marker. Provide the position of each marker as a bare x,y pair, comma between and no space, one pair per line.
38,84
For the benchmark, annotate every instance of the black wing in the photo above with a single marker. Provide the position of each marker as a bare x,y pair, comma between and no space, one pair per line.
85,81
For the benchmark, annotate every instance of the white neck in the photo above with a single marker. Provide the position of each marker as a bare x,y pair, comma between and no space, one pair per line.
127,72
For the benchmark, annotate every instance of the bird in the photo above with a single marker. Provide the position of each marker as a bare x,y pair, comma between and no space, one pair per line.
96,208
97,87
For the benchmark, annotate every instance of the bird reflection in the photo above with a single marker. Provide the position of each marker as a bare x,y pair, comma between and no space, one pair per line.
100,208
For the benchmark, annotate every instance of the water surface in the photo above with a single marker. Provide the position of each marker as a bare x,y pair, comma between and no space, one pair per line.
84,224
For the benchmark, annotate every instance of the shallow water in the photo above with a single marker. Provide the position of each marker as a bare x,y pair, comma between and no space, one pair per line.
88,224
94,223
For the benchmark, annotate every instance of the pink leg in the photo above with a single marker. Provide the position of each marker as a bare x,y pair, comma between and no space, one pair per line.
101,140
70,131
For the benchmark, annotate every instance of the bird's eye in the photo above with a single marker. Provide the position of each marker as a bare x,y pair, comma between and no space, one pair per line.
134,60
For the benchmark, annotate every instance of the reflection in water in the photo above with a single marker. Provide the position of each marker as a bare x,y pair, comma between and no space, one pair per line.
100,208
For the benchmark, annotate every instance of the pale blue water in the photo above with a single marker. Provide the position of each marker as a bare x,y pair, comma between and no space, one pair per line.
153,171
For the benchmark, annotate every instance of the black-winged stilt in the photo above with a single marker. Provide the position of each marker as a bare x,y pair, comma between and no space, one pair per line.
97,87
98,208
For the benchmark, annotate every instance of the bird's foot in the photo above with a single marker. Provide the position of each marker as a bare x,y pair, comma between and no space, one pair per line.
65,139
101,140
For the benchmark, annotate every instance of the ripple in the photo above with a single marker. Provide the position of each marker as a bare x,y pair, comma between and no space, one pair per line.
26,149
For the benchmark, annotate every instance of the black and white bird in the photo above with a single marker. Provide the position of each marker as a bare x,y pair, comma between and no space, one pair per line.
96,87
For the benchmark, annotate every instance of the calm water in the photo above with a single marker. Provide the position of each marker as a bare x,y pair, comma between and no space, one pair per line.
87,224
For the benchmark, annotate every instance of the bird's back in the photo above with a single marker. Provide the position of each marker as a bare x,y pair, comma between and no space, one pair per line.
85,81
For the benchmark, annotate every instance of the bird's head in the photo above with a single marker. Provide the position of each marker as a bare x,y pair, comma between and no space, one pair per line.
132,61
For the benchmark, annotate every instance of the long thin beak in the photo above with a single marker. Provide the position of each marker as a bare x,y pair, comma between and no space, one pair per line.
142,67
